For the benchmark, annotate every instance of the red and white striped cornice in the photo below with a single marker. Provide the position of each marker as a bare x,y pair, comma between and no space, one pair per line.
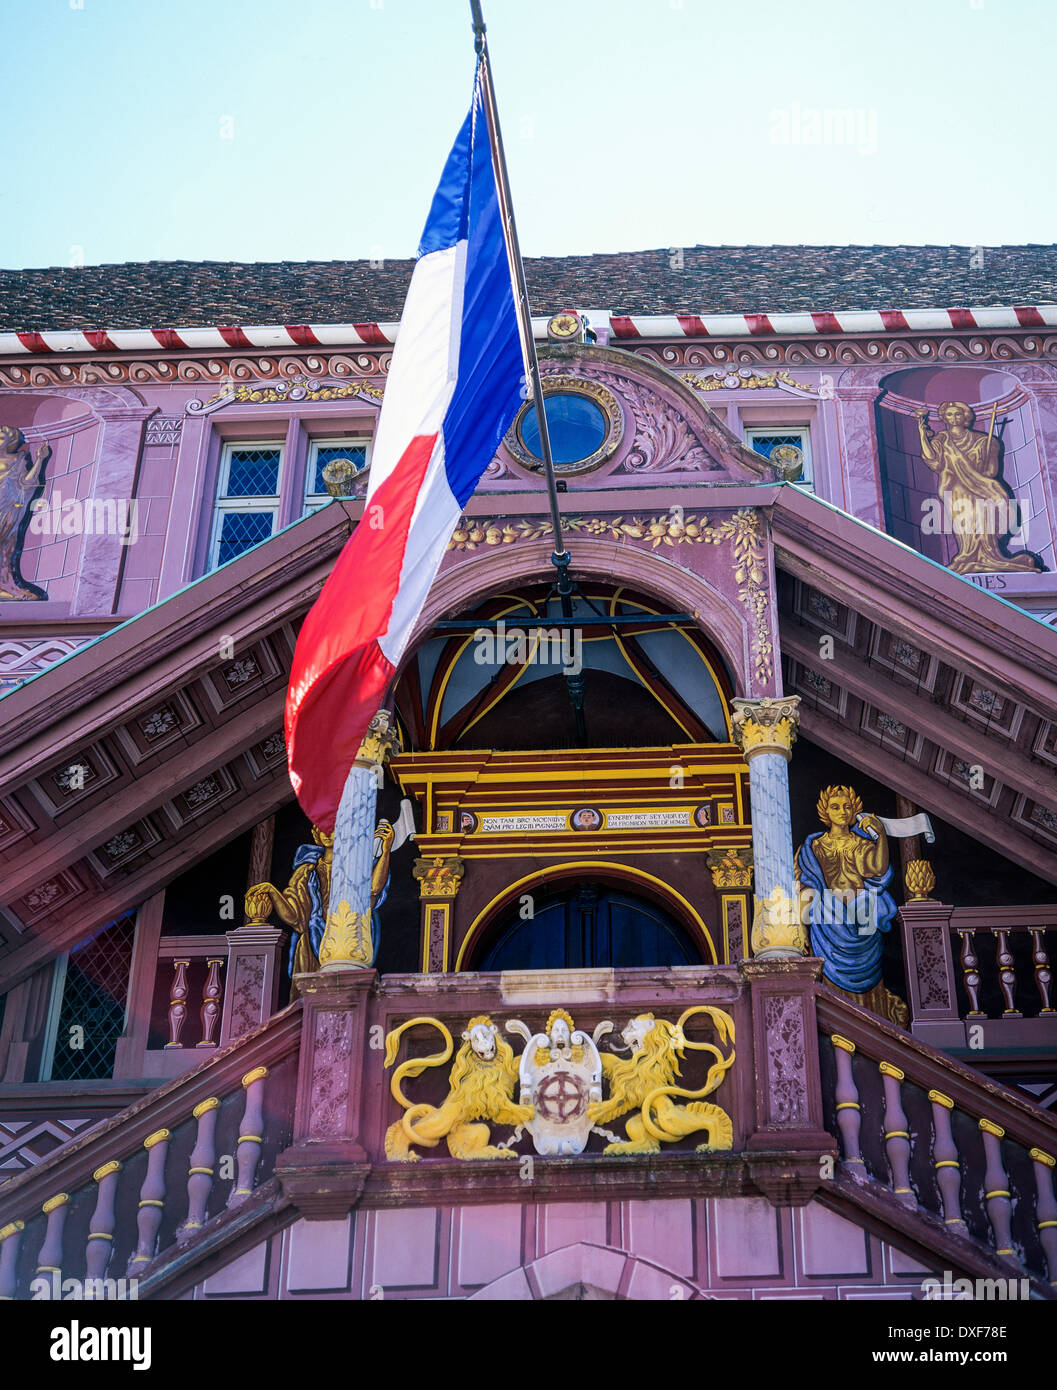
343,335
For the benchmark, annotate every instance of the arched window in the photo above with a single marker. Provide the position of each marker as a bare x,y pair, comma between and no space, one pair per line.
590,925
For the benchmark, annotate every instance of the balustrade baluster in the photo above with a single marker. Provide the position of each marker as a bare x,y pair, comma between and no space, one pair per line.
849,1117
10,1240
970,974
1007,977
151,1200
897,1136
177,1002
1043,976
49,1261
250,1139
212,995
1046,1209
996,1188
945,1160
200,1173
101,1227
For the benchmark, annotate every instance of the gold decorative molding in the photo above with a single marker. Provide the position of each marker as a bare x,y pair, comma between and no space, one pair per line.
347,939
887,1069
731,868
989,1127
843,1043
745,379
439,877
670,528
60,1199
106,1169
940,1099
257,1074
158,1137
12,1229
765,725
1039,1155
212,1103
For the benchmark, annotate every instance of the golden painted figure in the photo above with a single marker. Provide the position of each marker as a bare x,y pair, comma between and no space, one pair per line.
480,1088
643,1082
845,872
20,476
302,904
981,508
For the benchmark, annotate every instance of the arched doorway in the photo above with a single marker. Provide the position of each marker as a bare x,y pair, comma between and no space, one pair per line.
589,924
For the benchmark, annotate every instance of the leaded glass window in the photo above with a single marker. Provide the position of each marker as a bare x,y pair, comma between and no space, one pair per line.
247,505
92,1012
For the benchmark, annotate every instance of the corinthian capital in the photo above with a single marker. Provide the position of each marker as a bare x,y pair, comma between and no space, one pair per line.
380,742
766,725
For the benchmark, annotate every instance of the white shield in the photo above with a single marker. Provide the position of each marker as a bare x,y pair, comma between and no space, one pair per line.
561,1074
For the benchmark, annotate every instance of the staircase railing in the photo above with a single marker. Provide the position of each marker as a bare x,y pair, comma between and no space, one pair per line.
941,1137
105,1205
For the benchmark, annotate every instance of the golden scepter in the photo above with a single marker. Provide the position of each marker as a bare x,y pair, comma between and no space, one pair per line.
990,432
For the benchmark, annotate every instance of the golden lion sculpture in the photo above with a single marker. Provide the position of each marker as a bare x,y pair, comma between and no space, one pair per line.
480,1088
643,1080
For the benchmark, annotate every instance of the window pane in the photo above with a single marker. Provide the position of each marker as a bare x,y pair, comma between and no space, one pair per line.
253,473
240,530
355,453
576,426
93,998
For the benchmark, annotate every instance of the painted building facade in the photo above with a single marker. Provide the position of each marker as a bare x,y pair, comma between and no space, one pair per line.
675,993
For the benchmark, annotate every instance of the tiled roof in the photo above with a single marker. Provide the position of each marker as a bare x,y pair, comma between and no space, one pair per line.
689,280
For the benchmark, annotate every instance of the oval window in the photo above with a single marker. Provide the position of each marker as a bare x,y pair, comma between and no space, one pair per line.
577,428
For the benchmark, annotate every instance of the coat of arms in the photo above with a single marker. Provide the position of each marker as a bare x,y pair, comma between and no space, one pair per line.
561,1075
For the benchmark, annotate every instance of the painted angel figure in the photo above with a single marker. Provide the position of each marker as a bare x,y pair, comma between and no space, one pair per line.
20,476
846,872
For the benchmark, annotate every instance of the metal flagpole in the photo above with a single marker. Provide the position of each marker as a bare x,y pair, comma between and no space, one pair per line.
560,557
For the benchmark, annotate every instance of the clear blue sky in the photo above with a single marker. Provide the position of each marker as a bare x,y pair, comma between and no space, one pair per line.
629,123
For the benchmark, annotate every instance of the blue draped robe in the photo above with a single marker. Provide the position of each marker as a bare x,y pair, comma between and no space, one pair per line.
847,933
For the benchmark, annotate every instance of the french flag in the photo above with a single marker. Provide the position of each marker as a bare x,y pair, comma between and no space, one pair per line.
454,386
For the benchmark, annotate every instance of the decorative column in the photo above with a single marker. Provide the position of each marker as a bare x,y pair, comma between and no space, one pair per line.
347,942
439,881
764,730
731,871
926,928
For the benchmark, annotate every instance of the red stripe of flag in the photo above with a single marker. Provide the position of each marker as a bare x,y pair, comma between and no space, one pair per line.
339,673
692,326
234,337
825,323
100,340
894,321
372,334
961,318
622,327
168,338
303,337
33,341
759,323
1029,317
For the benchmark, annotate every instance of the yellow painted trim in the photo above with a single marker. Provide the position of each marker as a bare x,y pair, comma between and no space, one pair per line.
947,1163
696,650
842,1043
12,1229
434,714
540,875
989,1127
192,1171
99,1235
849,1105
104,1172
257,1074
897,1134
428,908
203,1106
249,1139
1041,1156
887,1069
941,1099
998,1192
151,1202
60,1199
1044,1224
158,1137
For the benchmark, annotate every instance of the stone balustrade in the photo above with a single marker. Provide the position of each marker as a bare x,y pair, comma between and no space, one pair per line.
919,1126
987,969
102,1209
